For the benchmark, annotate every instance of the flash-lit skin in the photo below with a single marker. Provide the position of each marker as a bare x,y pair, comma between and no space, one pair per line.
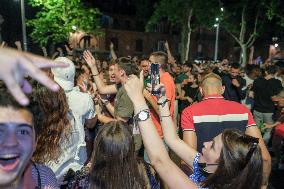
144,66
111,74
117,73
16,138
211,151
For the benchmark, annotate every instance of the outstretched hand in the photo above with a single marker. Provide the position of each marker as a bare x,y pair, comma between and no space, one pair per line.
15,65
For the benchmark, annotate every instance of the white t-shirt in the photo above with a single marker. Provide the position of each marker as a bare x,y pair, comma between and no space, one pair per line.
74,152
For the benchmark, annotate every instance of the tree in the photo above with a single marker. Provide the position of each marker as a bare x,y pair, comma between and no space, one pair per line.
243,20
188,15
58,18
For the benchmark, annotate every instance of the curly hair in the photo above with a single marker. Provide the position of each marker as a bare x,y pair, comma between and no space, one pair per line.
55,124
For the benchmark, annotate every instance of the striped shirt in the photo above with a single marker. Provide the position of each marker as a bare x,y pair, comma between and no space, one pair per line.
214,114
47,177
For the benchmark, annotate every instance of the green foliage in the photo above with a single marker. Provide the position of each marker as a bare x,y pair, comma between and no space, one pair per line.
54,21
176,12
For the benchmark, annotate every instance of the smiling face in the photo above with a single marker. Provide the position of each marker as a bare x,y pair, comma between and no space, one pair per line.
17,144
211,150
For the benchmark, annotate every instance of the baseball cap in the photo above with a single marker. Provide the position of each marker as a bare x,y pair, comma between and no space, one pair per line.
64,76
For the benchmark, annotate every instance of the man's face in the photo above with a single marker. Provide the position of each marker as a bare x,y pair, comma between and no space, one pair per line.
234,72
144,66
17,144
117,73
111,74
178,70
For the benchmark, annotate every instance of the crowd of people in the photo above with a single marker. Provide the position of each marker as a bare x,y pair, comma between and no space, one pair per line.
85,122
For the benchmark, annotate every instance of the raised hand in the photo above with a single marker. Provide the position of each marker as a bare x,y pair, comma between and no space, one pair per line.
167,45
134,87
111,45
91,61
15,65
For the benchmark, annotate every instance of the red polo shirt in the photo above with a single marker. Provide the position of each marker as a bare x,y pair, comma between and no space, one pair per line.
212,115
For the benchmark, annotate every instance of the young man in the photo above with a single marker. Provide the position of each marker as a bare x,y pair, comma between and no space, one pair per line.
166,79
123,107
17,144
234,84
263,90
123,68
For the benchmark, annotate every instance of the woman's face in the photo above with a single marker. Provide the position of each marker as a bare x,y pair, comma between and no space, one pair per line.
211,150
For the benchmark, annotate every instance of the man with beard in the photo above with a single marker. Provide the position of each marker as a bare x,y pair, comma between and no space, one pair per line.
234,84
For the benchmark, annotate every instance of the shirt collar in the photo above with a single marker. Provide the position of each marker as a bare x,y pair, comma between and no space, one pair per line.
213,97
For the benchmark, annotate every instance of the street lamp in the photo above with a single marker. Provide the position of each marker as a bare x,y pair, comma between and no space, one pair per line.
24,31
217,26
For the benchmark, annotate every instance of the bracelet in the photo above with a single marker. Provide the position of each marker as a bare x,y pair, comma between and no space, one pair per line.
94,75
166,115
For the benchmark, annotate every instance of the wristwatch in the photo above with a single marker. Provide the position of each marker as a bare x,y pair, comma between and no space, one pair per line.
143,115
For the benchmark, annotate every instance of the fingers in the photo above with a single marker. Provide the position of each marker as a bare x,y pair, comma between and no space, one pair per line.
38,75
15,89
41,62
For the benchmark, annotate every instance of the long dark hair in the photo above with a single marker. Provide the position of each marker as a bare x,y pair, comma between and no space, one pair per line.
114,160
55,124
240,163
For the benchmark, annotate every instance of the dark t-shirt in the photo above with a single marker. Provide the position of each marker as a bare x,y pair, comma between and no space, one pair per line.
263,91
232,92
191,92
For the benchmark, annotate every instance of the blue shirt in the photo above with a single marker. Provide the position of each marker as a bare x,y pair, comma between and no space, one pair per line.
197,177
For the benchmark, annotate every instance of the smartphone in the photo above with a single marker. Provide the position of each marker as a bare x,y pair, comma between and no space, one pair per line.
155,77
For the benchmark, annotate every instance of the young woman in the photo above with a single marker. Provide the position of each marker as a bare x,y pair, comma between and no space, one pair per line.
231,160
114,163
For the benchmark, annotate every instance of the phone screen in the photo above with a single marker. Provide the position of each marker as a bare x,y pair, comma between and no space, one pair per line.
155,77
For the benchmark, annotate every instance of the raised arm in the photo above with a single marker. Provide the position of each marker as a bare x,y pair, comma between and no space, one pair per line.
184,151
166,168
102,88
111,48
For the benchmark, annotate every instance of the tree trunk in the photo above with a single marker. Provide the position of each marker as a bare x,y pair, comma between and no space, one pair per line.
243,59
187,47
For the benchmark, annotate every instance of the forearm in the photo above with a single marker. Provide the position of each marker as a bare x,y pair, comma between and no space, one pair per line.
113,54
110,109
104,119
151,139
185,152
152,102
